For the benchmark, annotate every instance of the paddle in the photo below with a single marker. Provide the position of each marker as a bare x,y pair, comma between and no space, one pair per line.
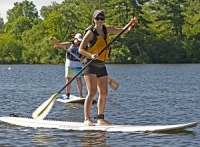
42,111
111,82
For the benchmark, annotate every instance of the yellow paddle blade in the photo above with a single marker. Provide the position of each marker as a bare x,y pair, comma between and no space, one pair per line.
42,111
112,83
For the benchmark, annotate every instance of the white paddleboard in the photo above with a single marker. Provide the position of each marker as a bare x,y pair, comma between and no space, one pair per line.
59,124
72,99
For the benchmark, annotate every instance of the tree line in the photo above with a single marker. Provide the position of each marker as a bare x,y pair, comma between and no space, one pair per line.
168,31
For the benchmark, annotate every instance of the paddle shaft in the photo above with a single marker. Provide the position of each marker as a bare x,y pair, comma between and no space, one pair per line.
98,55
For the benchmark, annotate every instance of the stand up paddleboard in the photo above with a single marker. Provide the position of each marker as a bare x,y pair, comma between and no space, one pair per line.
65,125
72,99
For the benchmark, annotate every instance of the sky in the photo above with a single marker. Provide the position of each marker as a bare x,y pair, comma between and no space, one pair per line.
5,5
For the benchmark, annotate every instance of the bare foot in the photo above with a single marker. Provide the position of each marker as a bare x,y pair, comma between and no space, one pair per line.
89,123
103,122
81,96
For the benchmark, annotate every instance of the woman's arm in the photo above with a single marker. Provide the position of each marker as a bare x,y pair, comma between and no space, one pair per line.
83,46
114,30
64,45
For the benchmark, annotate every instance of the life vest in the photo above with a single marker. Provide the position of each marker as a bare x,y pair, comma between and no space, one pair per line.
98,43
73,50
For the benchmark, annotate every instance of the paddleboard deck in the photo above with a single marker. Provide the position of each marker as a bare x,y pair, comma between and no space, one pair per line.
65,125
72,99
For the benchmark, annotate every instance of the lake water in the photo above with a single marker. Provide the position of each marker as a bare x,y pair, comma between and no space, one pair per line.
157,94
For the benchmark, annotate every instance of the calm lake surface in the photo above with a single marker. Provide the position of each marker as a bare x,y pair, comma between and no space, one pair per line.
157,94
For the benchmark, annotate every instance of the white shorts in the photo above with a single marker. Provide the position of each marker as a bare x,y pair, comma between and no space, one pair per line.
72,72
72,68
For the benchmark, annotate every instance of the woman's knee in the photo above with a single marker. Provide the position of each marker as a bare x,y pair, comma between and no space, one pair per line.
103,93
92,93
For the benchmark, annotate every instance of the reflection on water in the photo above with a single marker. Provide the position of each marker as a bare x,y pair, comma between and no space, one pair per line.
181,131
85,138
90,139
42,139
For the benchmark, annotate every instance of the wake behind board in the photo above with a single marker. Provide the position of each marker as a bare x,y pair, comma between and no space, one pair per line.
65,125
72,99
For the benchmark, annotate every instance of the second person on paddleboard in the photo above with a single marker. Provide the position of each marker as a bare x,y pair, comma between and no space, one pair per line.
96,77
72,63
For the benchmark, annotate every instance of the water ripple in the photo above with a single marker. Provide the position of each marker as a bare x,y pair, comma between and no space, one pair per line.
147,95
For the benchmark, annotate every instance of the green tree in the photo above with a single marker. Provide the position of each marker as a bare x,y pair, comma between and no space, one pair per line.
1,25
34,35
24,8
54,25
38,47
191,27
17,27
164,30
10,49
46,10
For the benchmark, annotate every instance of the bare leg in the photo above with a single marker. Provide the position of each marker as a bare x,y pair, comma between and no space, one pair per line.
102,84
91,83
68,88
79,86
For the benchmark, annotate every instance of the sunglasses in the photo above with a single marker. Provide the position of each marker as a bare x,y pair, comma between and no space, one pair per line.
99,18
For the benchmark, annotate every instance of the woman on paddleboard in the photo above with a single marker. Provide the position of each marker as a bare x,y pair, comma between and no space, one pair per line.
95,74
72,63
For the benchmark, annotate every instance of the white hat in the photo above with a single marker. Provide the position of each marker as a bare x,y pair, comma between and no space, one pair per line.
79,37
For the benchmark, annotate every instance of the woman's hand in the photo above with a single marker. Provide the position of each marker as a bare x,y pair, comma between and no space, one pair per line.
93,56
133,21
57,45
